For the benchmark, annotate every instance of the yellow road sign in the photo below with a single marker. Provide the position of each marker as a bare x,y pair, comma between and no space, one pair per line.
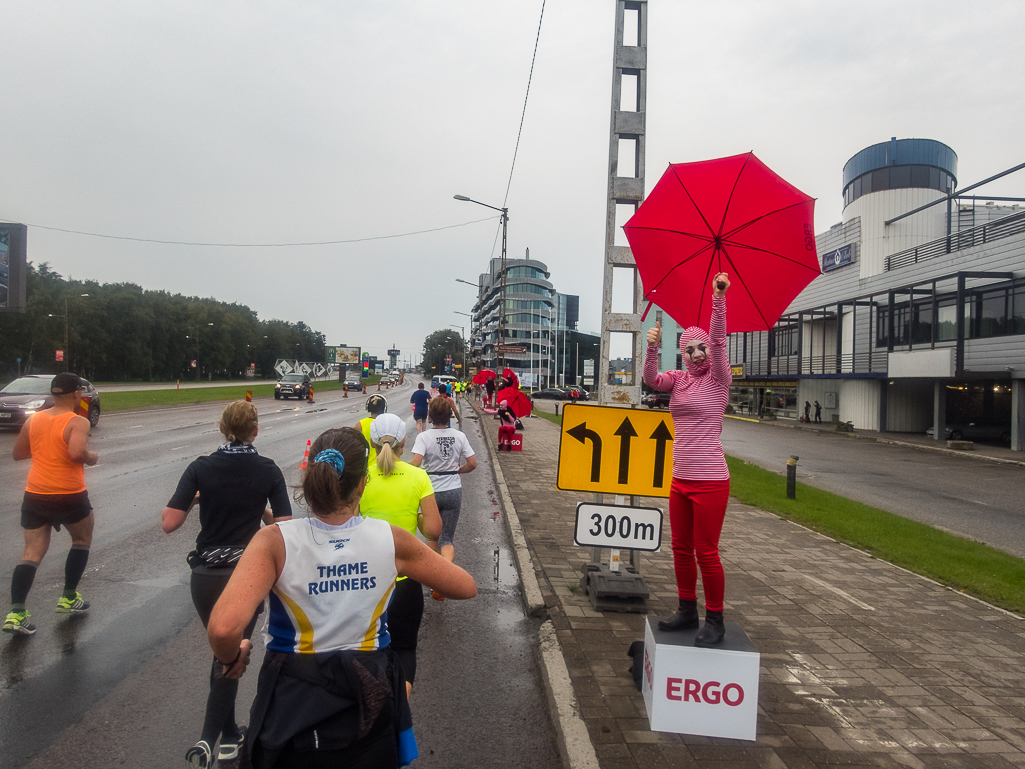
616,451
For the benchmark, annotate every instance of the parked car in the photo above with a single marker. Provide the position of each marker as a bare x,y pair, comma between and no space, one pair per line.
981,429
29,394
656,400
293,385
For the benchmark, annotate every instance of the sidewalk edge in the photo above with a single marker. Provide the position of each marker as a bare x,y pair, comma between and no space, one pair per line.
574,742
533,600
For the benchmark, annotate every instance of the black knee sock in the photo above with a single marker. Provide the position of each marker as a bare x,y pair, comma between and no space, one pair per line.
21,583
220,704
74,568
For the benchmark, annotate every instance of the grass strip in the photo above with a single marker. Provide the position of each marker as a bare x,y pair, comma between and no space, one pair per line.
137,399
963,564
556,418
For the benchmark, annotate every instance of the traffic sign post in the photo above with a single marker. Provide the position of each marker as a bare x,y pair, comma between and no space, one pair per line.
611,450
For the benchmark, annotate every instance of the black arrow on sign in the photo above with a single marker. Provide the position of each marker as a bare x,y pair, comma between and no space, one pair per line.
625,432
662,436
581,433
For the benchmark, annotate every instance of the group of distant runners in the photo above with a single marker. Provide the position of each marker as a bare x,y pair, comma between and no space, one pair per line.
342,587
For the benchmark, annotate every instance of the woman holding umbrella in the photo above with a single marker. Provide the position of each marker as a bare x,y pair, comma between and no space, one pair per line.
701,479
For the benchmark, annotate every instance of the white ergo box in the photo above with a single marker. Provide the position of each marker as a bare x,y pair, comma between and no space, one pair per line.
708,692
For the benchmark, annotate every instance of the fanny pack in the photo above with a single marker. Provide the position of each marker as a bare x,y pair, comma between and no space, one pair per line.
215,557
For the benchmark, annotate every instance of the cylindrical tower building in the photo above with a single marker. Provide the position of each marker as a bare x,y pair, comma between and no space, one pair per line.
889,179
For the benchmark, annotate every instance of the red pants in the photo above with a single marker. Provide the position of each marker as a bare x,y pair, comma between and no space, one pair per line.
505,435
696,513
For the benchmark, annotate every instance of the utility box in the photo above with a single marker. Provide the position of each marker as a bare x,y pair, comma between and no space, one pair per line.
691,690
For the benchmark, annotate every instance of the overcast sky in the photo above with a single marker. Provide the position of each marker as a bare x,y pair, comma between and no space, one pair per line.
263,122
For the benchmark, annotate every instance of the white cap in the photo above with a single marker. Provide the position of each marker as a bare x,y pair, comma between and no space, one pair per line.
388,424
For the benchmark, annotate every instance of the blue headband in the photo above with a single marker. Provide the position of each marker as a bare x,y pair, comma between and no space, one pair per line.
332,457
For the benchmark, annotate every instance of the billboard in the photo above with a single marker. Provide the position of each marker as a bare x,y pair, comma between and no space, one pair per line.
13,267
394,353
343,355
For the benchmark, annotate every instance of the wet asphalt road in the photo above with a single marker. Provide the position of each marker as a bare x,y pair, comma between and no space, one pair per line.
126,684
980,500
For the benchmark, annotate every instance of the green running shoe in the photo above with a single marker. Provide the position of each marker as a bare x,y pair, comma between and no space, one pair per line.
17,623
74,605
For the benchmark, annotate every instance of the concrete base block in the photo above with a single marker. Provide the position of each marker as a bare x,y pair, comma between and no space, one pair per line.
961,445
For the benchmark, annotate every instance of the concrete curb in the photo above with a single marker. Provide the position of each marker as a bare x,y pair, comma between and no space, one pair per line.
533,600
574,742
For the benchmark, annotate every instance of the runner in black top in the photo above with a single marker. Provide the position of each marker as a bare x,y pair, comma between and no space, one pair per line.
232,487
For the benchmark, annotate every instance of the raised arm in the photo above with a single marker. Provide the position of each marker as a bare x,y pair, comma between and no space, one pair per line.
652,378
720,359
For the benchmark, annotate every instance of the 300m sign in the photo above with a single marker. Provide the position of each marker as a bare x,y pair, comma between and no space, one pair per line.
619,526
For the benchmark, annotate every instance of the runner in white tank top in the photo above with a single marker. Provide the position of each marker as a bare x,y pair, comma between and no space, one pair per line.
329,578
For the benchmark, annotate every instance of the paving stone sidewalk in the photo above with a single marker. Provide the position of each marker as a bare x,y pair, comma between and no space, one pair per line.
862,663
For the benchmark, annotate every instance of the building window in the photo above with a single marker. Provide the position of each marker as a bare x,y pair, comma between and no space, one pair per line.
898,177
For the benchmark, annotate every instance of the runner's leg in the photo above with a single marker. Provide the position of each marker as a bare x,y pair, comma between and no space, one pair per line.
37,542
74,567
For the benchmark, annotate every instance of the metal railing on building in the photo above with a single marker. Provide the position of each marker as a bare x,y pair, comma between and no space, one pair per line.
956,241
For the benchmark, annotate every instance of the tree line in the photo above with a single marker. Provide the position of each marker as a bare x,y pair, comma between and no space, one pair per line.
440,344
121,332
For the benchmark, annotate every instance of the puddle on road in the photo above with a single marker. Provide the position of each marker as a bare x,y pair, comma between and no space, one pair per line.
505,568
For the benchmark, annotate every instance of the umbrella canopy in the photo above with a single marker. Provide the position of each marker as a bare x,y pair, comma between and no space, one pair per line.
510,376
483,376
518,401
732,215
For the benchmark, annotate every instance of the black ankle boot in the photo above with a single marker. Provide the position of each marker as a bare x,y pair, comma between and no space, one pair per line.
713,631
686,617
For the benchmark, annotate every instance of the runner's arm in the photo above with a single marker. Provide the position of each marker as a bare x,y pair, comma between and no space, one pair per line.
429,519
469,467
257,571
415,560
416,460
78,442
23,446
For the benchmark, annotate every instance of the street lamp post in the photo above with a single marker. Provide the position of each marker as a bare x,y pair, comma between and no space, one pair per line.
468,315
197,348
475,325
65,317
501,309
462,338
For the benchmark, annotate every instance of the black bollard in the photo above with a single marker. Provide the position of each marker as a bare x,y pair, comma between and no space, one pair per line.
556,409
792,477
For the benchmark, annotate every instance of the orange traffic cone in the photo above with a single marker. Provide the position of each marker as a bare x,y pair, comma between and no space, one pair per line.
306,456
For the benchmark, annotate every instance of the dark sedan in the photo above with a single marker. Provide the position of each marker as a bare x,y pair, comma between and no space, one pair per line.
552,393
29,394
656,400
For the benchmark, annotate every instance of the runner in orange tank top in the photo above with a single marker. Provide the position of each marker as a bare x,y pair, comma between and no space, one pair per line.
57,442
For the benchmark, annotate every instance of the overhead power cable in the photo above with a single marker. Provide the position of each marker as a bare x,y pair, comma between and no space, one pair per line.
255,245
523,114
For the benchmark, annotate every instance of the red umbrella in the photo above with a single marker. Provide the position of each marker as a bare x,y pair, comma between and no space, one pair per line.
510,376
731,215
483,376
518,401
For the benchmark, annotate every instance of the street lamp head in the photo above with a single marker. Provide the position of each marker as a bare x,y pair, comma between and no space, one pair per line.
462,197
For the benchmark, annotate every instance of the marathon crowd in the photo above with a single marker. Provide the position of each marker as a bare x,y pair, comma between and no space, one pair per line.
342,588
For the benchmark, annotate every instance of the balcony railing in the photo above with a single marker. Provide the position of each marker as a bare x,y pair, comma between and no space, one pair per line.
984,233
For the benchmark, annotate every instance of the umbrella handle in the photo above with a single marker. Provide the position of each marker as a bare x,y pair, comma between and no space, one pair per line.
646,309
720,285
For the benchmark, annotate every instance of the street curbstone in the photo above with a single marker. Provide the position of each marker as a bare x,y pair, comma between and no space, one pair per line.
572,737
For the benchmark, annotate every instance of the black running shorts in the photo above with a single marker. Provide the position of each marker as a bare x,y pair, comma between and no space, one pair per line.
38,510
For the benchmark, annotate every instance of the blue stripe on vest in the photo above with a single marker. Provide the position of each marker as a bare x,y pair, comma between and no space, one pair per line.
280,625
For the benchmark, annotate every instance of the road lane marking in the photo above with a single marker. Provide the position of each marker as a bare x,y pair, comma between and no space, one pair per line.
839,592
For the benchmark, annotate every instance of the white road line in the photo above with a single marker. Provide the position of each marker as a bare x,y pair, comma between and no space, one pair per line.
839,592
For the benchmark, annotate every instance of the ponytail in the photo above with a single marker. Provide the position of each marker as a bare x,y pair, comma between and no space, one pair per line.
388,453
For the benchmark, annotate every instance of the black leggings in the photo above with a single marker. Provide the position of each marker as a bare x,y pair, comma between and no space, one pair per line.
220,703
405,612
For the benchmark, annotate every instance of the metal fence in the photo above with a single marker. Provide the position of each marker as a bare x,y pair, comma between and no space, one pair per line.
984,233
